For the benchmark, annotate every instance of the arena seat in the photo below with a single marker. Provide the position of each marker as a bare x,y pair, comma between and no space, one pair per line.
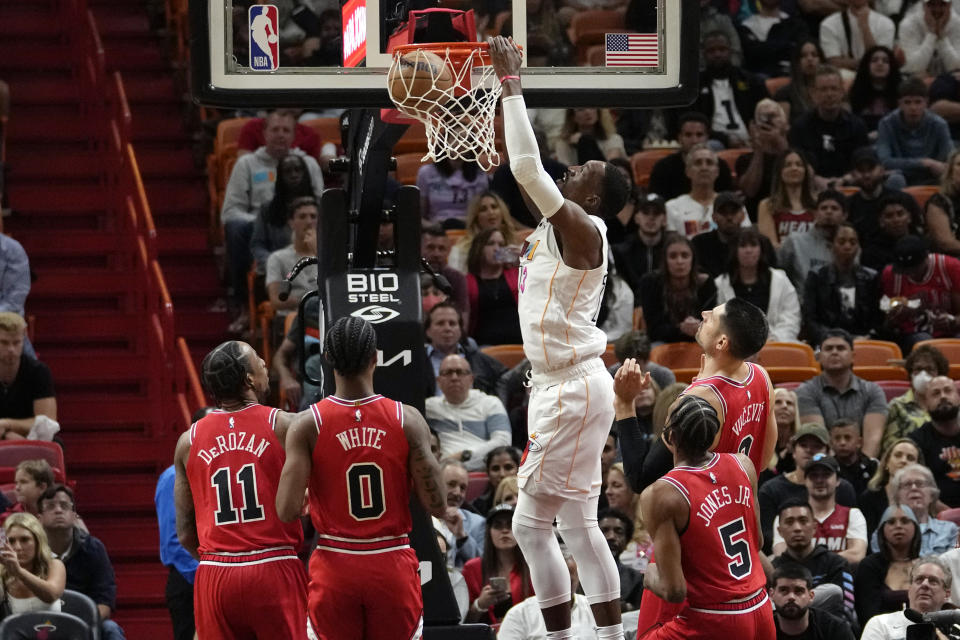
878,360
682,357
476,485
414,139
327,129
589,28
780,375
893,388
82,606
509,355
53,625
775,84
921,193
950,348
642,163
408,164
609,355
12,452
787,354
789,385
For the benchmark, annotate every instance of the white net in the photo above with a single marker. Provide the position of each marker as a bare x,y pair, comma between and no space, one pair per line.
459,119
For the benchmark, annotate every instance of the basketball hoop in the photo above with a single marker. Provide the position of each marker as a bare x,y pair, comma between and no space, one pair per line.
456,104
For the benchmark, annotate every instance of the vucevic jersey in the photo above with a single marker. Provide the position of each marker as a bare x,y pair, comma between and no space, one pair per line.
746,406
234,470
718,549
360,484
558,305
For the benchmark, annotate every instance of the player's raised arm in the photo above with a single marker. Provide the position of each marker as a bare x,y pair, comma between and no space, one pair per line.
582,244
300,440
661,507
424,470
183,498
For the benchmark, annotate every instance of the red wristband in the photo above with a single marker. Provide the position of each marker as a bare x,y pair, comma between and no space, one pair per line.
504,78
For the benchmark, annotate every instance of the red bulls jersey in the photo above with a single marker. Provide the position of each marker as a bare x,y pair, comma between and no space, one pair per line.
746,406
234,470
718,549
360,484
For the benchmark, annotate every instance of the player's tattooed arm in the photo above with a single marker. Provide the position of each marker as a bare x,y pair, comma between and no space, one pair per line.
301,437
183,499
665,512
424,469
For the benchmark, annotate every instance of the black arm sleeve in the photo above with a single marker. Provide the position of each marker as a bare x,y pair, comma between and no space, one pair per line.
644,460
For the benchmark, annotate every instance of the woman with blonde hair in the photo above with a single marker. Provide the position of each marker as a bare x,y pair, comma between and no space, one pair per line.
507,491
589,134
786,411
33,580
485,211
880,490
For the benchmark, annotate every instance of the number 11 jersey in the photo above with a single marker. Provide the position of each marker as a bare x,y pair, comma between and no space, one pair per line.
234,470
360,484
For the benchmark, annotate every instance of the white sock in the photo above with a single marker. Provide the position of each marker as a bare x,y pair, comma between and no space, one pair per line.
566,634
613,632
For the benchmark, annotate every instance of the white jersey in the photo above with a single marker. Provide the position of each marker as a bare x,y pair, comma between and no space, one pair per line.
559,305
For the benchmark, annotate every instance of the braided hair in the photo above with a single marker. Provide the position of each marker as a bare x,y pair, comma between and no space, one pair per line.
349,345
692,426
225,371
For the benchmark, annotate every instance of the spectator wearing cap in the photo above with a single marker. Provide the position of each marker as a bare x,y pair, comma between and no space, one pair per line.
846,442
924,293
642,251
617,528
930,39
749,275
912,139
829,134
808,441
668,177
832,580
713,247
792,593
805,251
840,529
839,393
843,294
871,179
501,564
898,215
939,438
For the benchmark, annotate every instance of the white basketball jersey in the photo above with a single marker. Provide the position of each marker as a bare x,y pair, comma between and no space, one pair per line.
558,304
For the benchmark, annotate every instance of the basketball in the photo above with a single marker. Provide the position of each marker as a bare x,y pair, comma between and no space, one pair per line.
419,79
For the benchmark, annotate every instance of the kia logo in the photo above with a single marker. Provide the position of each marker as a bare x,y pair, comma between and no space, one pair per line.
375,314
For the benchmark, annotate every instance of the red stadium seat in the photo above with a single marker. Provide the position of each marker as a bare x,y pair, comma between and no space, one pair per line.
682,357
509,355
950,348
15,451
893,388
476,485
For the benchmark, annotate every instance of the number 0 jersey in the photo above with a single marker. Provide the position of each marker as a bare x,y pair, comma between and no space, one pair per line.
234,470
746,406
718,549
360,483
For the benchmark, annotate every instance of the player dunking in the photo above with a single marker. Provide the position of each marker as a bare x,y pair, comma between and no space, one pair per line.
563,268
359,452
705,523
250,583
739,392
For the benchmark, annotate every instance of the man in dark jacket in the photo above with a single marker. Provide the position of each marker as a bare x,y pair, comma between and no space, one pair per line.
444,331
617,528
736,90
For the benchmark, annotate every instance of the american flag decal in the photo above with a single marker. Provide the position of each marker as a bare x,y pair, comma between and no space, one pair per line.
633,50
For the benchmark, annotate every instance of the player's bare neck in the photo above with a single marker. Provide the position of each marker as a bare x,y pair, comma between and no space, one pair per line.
694,461
237,405
353,388
722,365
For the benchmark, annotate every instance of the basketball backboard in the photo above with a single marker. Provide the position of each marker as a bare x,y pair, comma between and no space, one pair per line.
600,53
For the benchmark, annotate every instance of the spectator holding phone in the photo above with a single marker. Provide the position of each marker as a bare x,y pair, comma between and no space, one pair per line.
33,580
500,578
492,290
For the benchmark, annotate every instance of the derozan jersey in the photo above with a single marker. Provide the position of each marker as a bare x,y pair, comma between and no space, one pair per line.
360,483
558,305
746,407
718,548
234,470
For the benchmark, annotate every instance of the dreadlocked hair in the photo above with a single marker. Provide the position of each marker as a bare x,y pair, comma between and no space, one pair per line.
225,371
692,426
349,345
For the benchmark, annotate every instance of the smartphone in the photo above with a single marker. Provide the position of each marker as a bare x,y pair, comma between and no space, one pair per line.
499,584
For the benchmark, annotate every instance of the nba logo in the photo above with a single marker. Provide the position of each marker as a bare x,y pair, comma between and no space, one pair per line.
264,38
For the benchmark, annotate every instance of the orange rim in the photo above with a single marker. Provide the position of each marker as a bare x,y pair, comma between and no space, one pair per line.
457,51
